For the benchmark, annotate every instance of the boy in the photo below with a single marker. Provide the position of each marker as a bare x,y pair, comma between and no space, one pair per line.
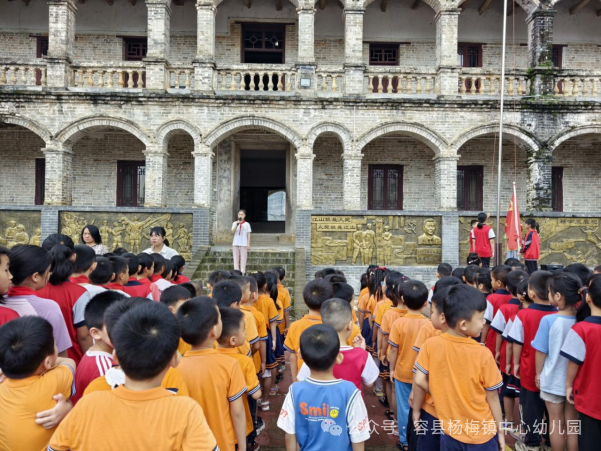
444,270
315,294
402,356
85,263
120,274
133,287
146,268
215,381
173,297
357,367
34,374
284,296
470,275
140,413
468,408
99,358
100,277
233,335
500,297
323,413
214,278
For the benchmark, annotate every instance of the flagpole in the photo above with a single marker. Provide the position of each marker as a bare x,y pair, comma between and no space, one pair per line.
516,211
498,245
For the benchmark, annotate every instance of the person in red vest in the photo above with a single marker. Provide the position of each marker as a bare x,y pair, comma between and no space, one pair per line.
484,240
531,250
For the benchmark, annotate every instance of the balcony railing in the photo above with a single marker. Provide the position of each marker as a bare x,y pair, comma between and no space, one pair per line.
385,80
329,80
256,77
474,81
126,75
571,83
22,74
180,78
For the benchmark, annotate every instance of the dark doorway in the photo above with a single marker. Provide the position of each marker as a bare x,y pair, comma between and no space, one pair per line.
263,189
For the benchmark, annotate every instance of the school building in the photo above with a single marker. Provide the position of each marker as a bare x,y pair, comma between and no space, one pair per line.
352,131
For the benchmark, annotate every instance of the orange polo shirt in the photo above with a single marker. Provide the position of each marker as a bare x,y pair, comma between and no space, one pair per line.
387,321
172,381
183,347
261,328
427,331
460,372
402,336
22,399
214,380
267,307
381,308
363,300
284,297
128,419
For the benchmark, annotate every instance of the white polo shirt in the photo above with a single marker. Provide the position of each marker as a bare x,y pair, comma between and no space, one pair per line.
166,252
241,234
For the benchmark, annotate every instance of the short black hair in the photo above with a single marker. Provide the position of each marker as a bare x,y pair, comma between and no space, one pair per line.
580,270
84,258
470,273
316,293
119,251
483,277
159,263
458,272
231,322
327,271
513,280
96,308
103,272
145,261
119,265
473,222
415,294
24,344
538,283
145,340
174,294
319,347
252,284
217,276
133,263
226,293
117,310
514,263
196,319
444,269
343,291
241,281
473,259
334,278
438,298
461,303
500,273
597,268
446,282
337,313
190,287
281,270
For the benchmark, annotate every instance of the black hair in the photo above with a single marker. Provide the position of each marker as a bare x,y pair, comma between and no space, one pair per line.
277,274
84,258
226,293
594,292
252,284
113,314
159,263
169,269
445,282
190,287
318,274
473,259
333,278
523,290
174,294
364,281
343,291
241,281
568,285
267,282
26,260
513,280
337,313
119,251
500,273
4,251
119,265
103,273
96,308
458,272
94,233
160,231
483,278
145,340
327,271
375,283
471,273
231,322
178,263
580,270
514,263
391,279
319,347
24,344
597,269
461,303
196,319
281,271
533,224
396,293
235,272
132,263
145,261
243,211
538,283
316,293
415,294
473,222
444,269
482,219
217,276
61,248
438,298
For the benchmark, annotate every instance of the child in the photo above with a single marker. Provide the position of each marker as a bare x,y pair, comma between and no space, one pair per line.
85,263
120,274
273,279
363,298
214,278
133,287
140,413
473,223
484,281
323,412
597,270
514,263
173,297
99,358
71,298
377,294
162,271
30,267
565,291
458,272
247,305
195,288
531,249
470,275
471,399
284,296
179,264
473,259
34,375
214,380
6,314
100,276
582,349
484,240
522,333
146,269
499,297
444,270
315,294
402,356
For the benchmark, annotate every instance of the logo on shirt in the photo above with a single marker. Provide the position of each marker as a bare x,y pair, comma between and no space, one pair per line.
330,426
325,411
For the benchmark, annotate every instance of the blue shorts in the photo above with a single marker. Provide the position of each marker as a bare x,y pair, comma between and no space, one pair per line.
426,439
448,443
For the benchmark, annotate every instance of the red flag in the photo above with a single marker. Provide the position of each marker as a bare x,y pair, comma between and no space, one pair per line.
513,229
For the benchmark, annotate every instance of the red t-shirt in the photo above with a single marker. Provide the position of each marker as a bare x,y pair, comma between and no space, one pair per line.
94,364
7,315
533,251
181,279
508,312
352,366
155,277
497,299
136,289
482,239
145,281
79,279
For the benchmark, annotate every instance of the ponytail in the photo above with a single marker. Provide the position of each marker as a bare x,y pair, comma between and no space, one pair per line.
61,249
568,286
26,260
272,287
375,283
594,294
533,224
482,219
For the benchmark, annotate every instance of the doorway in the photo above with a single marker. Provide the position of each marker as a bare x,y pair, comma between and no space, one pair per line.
263,189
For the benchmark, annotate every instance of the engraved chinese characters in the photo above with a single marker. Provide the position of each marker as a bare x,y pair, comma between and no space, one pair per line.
19,227
381,240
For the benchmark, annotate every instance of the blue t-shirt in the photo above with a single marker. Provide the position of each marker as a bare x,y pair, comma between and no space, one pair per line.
552,332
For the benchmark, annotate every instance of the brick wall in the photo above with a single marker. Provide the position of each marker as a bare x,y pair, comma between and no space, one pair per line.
180,172
18,46
98,47
582,56
18,151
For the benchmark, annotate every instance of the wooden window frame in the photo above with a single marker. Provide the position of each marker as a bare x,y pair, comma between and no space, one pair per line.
263,27
384,46
121,165
133,40
479,171
370,169
464,46
41,50
557,188
559,48
40,181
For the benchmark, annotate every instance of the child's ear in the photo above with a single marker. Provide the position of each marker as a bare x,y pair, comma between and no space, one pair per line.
48,362
214,332
233,341
172,309
112,277
463,278
339,359
174,360
115,358
349,326
93,267
462,325
95,333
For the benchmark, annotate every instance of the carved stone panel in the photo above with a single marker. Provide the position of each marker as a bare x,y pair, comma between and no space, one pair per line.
382,240
19,227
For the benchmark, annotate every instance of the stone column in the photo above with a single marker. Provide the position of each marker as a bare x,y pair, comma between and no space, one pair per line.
58,184
159,26
353,49
445,181
351,168
155,177
538,193
306,33
204,63
203,174
304,178
540,50
447,22
61,38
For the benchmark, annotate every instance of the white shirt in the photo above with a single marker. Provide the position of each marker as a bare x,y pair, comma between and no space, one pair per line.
241,234
166,252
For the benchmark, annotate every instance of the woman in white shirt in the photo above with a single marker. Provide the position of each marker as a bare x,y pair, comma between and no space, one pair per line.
160,244
241,245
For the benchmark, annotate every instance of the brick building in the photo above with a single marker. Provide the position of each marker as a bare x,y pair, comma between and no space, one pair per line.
218,105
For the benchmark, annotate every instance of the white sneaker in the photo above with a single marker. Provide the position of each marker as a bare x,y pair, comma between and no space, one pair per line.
264,406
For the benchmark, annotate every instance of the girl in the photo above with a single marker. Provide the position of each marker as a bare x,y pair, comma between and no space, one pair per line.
70,297
376,294
162,278
363,298
241,244
160,244
30,267
180,264
484,240
6,314
565,291
484,281
273,277
531,249
90,235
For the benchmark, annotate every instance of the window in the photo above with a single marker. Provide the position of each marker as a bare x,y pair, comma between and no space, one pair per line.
384,54
130,183
134,49
557,188
469,188
557,56
40,52
263,43
385,187
469,55
40,180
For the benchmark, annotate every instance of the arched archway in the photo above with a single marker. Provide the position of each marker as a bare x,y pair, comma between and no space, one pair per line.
524,138
74,131
429,137
235,125
343,134
168,129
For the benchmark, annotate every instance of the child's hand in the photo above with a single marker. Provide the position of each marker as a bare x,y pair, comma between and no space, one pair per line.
273,346
508,368
537,381
516,370
262,367
570,394
384,360
49,419
416,418
501,438
411,400
498,357
359,342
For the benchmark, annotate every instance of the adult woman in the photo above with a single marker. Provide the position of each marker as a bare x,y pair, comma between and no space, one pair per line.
484,240
90,235
241,245
160,244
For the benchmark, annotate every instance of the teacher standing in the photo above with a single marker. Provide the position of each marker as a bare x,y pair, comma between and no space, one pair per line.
241,245
484,240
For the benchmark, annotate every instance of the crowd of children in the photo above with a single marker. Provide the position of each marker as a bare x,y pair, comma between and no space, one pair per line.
85,350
